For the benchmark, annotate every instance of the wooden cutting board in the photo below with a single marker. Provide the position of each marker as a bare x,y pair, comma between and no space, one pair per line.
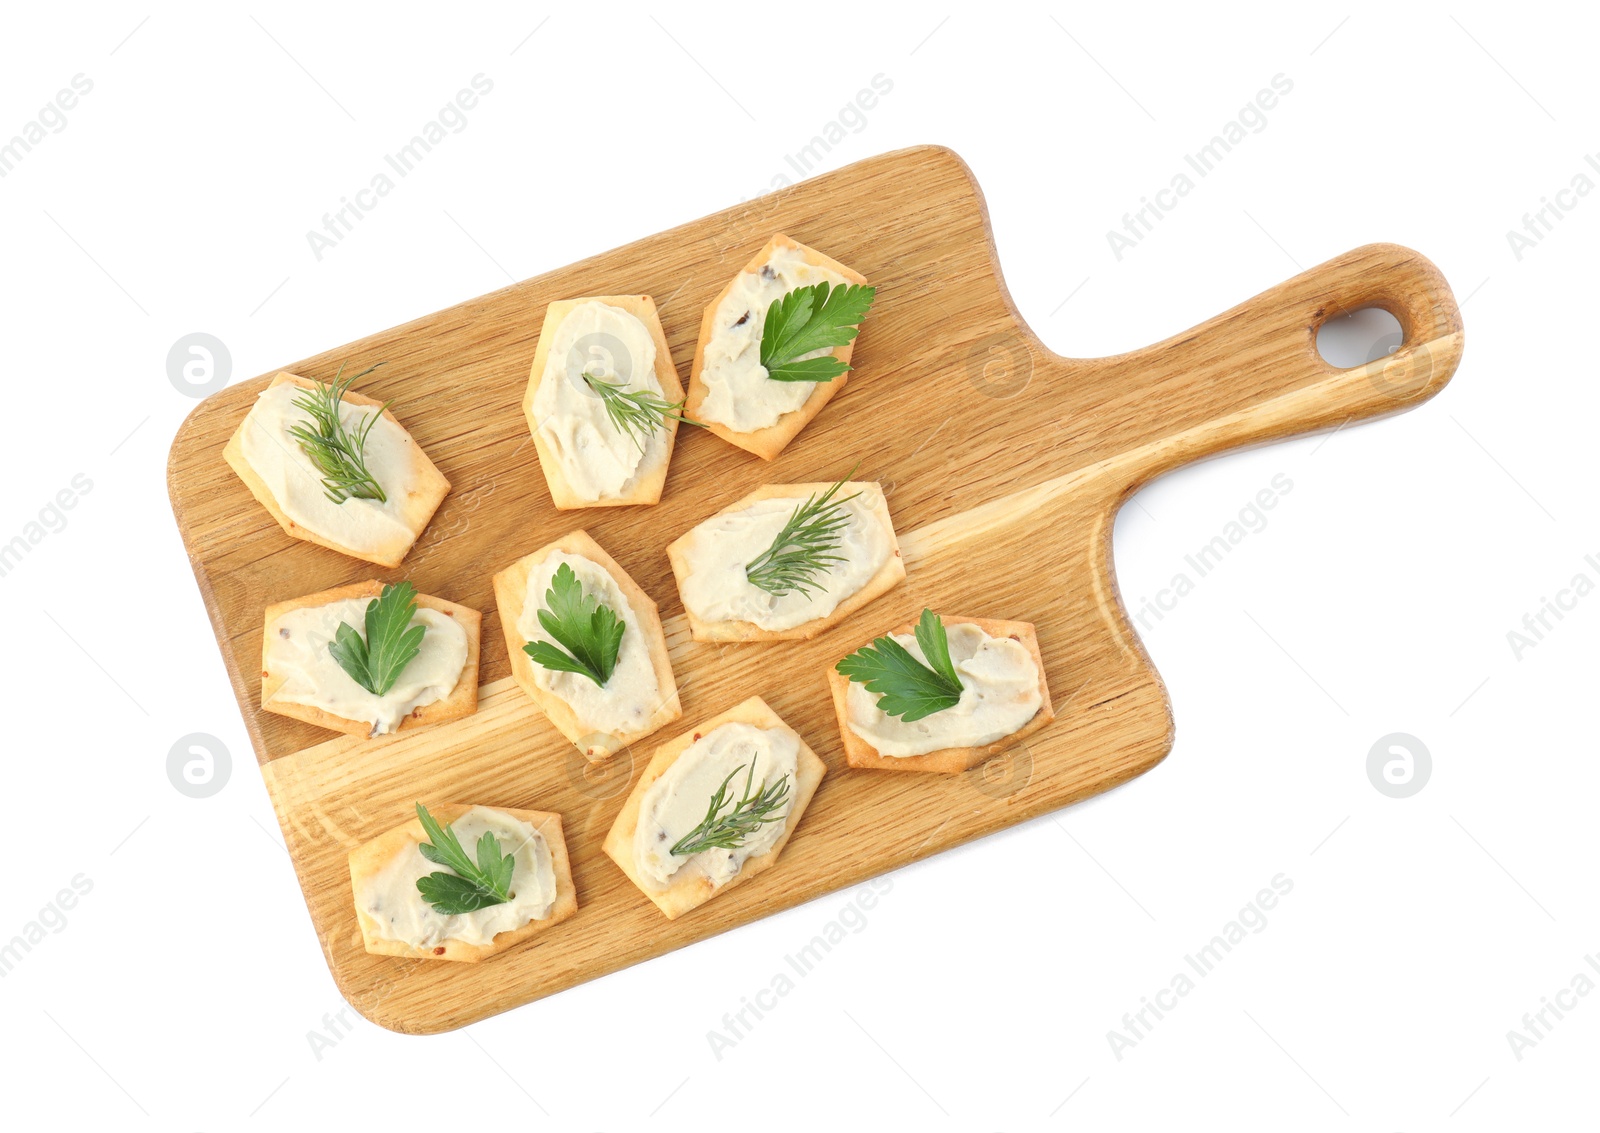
1004,465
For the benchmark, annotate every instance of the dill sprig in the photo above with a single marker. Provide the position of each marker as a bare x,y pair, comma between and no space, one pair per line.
339,453
805,549
638,413
728,831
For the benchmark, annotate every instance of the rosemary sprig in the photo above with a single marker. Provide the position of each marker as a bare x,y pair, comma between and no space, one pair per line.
338,453
470,886
637,413
805,549
728,831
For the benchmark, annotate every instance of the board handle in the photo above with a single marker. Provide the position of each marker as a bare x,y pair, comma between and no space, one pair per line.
1253,374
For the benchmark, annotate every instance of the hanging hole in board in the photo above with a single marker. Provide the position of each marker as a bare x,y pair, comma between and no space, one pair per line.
1353,339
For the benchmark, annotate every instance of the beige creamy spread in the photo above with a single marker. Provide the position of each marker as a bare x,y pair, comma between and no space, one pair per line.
391,899
999,694
676,803
632,695
716,553
297,650
361,525
738,392
598,460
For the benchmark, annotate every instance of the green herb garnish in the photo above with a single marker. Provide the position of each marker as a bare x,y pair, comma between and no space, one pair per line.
812,318
638,413
375,661
470,887
591,632
906,687
805,549
728,831
339,453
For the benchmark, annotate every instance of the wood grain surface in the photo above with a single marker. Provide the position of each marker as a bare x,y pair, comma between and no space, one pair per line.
1004,466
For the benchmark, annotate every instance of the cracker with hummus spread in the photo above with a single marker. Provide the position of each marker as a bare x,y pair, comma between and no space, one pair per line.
283,478
1004,700
712,564
407,929
603,432
300,680
650,700
728,387
665,799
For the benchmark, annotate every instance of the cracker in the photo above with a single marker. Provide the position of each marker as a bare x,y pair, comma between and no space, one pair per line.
369,858
462,701
951,760
510,592
769,442
888,576
419,507
688,892
647,490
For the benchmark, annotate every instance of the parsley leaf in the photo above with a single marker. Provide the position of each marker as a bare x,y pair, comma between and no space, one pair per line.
591,632
905,686
470,887
375,661
809,319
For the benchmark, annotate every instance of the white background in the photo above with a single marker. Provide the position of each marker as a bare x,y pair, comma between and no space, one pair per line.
181,991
